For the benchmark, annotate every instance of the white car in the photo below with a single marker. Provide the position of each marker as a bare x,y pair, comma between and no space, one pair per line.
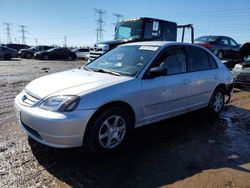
82,53
130,86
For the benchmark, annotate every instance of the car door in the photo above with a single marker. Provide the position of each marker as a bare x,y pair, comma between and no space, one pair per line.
64,53
235,48
204,75
58,54
166,96
225,46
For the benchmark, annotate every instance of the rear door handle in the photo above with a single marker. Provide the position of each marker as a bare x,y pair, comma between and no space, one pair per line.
215,76
186,81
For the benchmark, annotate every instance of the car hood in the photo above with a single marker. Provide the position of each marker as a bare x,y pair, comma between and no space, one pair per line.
72,82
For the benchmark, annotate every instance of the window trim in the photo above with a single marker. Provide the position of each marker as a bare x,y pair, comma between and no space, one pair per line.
207,54
145,75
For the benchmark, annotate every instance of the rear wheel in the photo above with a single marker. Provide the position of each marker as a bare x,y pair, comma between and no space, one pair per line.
28,55
70,58
217,101
109,130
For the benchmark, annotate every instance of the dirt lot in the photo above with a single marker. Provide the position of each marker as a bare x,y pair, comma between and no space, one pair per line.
193,150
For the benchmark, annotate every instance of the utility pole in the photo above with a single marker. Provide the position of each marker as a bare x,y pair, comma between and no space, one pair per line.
23,31
118,18
36,41
8,36
100,24
97,35
65,41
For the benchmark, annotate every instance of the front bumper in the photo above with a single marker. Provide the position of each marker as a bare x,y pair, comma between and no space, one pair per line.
59,130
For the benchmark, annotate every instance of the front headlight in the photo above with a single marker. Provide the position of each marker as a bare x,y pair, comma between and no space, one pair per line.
64,103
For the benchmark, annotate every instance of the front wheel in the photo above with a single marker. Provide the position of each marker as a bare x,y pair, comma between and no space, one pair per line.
109,130
45,57
217,101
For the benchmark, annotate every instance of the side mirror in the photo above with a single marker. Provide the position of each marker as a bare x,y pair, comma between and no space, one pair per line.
157,71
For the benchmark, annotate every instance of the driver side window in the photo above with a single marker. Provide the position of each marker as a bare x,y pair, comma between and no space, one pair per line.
174,60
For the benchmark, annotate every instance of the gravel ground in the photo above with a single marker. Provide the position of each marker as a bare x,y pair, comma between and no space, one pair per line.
193,150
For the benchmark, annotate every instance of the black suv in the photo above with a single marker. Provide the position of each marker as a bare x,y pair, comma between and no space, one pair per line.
29,53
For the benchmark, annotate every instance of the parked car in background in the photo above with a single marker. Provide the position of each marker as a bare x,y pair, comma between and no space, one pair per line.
57,53
29,53
17,47
7,53
245,50
225,48
130,86
241,72
82,53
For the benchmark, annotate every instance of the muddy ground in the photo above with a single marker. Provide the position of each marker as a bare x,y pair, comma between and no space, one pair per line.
193,150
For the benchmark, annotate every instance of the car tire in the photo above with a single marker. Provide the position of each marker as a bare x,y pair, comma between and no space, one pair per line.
45,57
28,55
70,58
220,54
108,131
217,100
7,57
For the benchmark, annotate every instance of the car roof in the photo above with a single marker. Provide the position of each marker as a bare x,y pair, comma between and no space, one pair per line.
213,36
159,43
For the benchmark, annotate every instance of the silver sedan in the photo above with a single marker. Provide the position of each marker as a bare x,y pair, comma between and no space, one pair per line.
131,86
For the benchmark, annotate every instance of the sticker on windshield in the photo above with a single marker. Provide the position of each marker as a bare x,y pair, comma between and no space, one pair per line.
152,48
155,25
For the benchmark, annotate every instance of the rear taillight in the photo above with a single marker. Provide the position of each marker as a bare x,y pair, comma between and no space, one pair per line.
206,45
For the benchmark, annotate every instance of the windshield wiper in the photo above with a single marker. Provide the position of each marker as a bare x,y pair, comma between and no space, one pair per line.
87,69
107,71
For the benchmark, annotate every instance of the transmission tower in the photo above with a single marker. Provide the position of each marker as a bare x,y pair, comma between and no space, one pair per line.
36,40
100,24
118,18
65,41
23,31
8,36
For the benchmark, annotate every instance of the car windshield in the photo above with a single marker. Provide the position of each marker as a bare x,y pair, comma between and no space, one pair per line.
123,60
129,30
247,59
34,48
206,39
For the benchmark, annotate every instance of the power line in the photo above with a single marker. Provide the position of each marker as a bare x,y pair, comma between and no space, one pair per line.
23,31
8,35
100,23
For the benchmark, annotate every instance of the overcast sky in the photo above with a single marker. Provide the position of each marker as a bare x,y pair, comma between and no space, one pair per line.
50,20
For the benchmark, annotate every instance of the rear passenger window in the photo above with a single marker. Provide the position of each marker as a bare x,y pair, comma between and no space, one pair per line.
198,59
